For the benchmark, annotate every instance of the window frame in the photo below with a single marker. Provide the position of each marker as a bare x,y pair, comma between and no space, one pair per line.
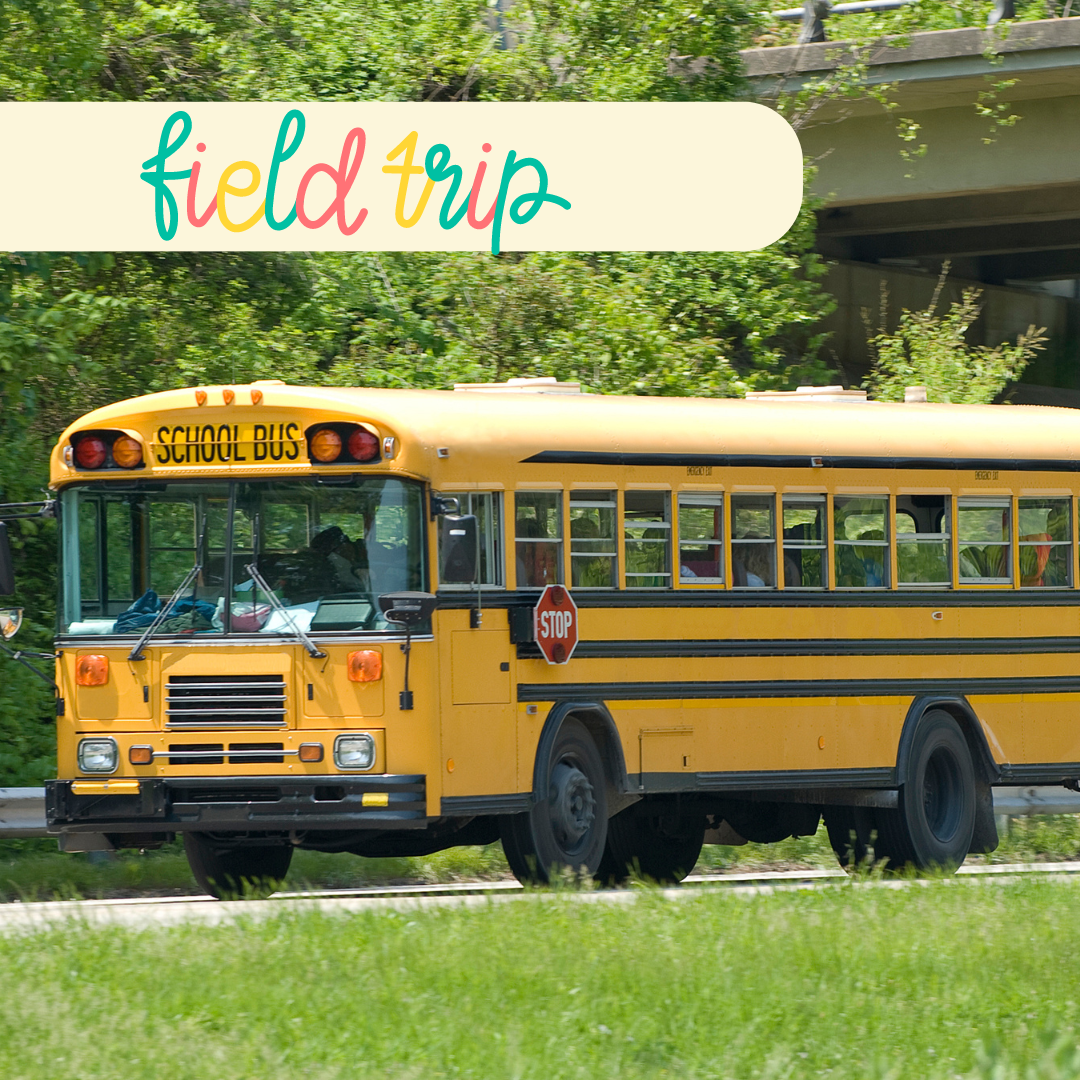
807,498
916,537
665,524
707,500
886,544
494,532
559,541
987,502
615,555
762,541
1068,544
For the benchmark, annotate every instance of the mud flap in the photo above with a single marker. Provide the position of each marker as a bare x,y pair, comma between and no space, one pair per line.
984,838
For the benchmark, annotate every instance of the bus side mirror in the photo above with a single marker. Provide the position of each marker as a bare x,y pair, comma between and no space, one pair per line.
457,549
7,568
10,621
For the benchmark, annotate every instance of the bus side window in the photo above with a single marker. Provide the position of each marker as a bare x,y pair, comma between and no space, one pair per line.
701,539
923,534
805,552
753,541
485,505
1045,543
862,542
647,538
984,530
593,554
538,538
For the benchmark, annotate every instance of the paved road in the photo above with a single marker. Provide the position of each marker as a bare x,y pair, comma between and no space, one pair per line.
170,911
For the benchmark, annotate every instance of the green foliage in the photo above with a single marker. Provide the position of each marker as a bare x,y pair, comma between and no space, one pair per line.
969,980
928,349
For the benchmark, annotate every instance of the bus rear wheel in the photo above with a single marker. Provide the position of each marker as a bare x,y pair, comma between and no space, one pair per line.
236,871
655,839
567,828
932,826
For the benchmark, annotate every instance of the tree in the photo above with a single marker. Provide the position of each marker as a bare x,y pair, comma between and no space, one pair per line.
927,349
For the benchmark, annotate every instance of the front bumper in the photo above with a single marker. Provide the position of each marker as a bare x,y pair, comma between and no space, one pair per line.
227,804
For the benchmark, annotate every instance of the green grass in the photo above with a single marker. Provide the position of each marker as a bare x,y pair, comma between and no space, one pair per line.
35,870
958,979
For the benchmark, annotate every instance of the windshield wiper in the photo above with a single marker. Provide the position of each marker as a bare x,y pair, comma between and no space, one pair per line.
163,614
276,604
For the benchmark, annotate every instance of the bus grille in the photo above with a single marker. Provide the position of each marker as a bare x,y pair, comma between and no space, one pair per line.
199,702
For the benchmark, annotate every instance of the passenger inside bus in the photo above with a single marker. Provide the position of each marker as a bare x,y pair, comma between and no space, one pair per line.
752,564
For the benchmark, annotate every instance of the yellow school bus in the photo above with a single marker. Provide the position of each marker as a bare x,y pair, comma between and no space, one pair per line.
303,617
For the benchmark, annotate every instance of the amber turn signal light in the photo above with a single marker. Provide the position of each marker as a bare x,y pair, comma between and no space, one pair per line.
311,751
325,445
92,670
365,666
141,755
126,452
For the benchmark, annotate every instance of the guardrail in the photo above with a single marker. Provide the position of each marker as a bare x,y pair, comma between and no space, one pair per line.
813,14
22,810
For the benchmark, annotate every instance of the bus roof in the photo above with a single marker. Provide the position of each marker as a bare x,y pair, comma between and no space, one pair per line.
579,428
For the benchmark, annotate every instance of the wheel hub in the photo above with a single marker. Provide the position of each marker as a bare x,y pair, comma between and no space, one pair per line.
941,798
573,805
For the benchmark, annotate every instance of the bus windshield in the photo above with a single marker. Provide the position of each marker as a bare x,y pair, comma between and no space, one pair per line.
326,551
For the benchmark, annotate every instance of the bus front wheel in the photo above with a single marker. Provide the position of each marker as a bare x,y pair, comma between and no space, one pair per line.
934,821
236,871
567,827
656,839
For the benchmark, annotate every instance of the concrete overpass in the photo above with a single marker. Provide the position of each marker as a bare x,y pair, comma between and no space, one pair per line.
1002,203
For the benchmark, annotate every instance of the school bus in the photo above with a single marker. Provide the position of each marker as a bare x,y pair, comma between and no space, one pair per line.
294,617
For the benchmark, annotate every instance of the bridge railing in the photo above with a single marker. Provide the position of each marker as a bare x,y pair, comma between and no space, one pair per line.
814,14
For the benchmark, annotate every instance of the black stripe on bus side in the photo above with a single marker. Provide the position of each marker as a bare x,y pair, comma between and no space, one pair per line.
799,461
786,598
633,650
779,780
795,688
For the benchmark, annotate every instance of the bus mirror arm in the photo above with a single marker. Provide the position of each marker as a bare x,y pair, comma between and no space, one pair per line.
444,504
19,656
407,609
17,512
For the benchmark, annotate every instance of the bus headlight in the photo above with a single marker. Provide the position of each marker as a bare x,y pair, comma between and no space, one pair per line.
354,751
98,755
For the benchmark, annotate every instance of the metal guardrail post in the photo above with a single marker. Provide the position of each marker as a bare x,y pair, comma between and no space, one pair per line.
813,14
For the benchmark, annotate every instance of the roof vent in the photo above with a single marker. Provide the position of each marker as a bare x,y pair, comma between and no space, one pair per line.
808,393
545,384
914,395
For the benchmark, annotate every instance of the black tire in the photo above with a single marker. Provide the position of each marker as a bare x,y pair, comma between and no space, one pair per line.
852,834
235,871
935,819
653,839
568,827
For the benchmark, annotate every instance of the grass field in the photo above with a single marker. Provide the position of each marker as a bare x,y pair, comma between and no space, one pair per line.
35,870
957,979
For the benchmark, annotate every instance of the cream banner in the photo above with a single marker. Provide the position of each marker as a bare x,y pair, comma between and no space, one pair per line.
381,176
